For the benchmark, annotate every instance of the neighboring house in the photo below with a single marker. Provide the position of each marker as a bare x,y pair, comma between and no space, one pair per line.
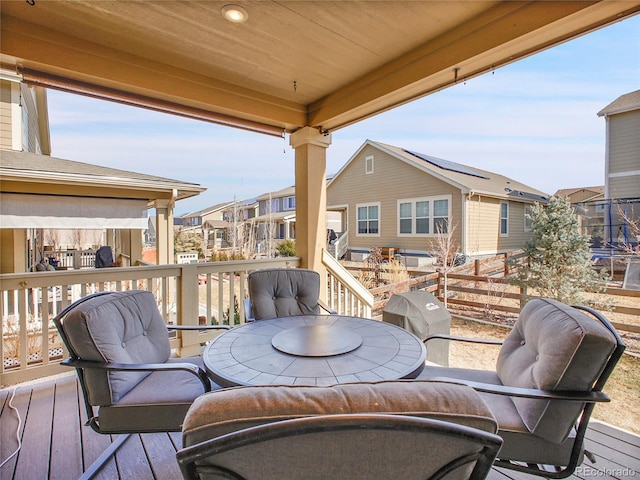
622,166
622,151
589,206
41,193
276,215
210,224
240,215
392,197
581,194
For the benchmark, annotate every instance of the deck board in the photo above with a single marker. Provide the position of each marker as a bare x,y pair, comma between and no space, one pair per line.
57,445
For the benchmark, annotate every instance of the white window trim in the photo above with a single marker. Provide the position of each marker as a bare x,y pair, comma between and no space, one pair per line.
413,201
368,164
505,234
286,203
370,204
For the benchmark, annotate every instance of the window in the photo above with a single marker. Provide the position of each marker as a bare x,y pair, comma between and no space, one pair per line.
423,216
368,219
440,216
528,223
289,203
405,215
504,219
368,161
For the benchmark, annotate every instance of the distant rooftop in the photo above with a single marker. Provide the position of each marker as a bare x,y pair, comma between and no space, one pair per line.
622,104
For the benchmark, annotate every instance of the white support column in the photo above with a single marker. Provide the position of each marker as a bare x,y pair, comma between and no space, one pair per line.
311,195
164,231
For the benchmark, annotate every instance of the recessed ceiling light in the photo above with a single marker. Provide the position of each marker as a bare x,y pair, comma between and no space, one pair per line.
234,13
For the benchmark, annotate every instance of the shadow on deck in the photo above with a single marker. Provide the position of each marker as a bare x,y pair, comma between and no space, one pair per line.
56,445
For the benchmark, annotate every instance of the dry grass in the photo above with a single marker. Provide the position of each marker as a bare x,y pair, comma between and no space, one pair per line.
623,386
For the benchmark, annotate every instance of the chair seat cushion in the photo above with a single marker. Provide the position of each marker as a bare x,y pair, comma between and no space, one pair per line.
232,409
525,447
502,407
157,404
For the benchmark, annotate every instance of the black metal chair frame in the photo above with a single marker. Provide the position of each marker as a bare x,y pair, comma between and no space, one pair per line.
595,395
75,362
491,443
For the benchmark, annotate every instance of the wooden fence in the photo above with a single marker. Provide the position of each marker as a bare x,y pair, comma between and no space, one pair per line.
480,289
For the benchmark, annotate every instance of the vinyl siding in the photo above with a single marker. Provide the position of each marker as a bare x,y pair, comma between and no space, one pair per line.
625,187
5,115
391,180
483,225
624,155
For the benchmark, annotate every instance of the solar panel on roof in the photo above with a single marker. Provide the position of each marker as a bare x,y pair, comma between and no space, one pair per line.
446,164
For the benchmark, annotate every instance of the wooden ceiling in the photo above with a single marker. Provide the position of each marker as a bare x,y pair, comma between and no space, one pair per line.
292,63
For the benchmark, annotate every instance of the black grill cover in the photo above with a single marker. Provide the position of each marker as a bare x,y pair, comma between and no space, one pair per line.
422,314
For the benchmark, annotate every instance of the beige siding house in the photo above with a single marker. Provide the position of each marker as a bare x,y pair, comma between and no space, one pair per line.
40,193
393,197
622,159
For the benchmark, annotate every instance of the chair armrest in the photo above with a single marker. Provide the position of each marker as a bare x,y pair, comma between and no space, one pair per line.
580,396
442,336
143,367
199,327
326,308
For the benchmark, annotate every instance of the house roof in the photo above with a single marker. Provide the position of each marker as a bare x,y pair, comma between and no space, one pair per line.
622,104
322,64
285,192
208,210
467,179
275,216
567,192
25,172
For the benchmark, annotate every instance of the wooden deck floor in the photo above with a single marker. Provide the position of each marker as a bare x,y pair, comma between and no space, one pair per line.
56,445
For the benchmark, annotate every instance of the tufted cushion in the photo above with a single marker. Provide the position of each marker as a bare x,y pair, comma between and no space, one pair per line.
284,292
553,347
119,327
228,410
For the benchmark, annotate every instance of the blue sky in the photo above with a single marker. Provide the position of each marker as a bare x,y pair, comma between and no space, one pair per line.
534,121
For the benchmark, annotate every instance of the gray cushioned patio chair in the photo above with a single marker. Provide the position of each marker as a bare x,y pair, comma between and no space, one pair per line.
550,372
283,292
119,346
382,430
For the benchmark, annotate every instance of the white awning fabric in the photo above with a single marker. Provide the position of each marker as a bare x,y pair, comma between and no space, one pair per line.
64,212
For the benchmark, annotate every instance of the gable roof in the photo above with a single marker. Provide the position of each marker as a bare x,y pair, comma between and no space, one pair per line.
285,192
466,178
622,104
24,167
597,191
207,211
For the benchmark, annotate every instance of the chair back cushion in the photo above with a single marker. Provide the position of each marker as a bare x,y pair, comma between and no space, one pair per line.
284,292
228,410
118,327
553,347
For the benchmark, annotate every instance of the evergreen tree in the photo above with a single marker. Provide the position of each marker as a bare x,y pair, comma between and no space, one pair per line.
559,259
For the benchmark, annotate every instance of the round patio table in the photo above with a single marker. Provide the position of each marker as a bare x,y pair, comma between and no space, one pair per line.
313,350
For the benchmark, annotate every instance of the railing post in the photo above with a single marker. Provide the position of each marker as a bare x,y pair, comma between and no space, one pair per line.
187,305
476,267
506,265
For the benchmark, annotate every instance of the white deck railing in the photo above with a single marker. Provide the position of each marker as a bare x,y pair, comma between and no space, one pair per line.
187,294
